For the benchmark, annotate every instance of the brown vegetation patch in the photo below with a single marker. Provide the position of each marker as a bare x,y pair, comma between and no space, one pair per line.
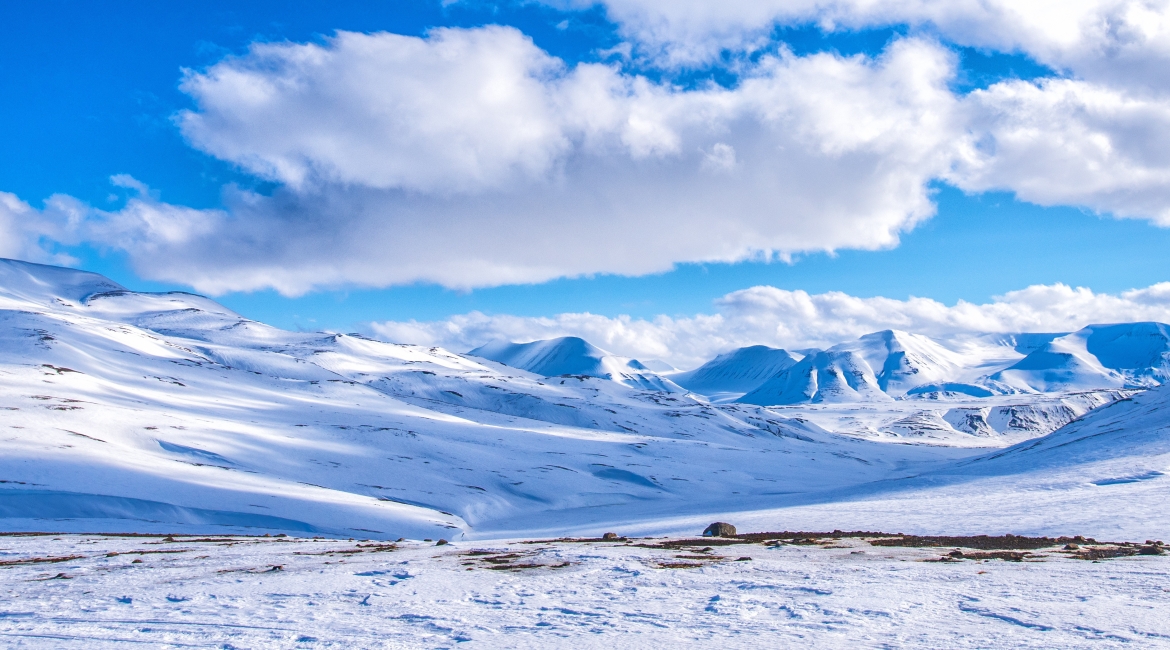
982,542
360,548
41,560
1009,556
1115,550
504,561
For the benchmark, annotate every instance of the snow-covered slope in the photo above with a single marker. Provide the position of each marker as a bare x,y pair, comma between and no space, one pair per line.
1104,475
738,371
1098,356
1133,430
829,376
900,361
571,355
25,282
132,411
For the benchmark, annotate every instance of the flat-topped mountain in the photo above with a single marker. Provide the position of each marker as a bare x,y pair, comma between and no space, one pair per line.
570,355
738,371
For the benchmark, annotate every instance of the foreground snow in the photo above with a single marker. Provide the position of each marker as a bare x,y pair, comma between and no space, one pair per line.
253,593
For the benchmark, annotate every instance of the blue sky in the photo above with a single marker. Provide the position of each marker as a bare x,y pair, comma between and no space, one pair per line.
92,90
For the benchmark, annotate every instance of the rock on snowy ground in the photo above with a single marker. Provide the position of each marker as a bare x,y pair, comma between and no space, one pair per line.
237,592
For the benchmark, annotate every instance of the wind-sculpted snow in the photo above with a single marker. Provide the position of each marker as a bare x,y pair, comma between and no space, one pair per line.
827,592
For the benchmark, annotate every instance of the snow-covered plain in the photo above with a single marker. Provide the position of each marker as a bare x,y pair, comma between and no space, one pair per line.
169,414
266,593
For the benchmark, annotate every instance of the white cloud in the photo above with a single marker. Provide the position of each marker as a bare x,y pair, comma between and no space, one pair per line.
471,158
1127,39
27,233
1094,136
460,110
794,320
1073,143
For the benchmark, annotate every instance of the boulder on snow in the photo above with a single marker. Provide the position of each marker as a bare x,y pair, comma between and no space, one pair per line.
610,536
719,529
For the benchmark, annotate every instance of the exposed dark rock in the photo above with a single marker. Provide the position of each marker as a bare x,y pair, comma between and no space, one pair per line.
719,529
610,536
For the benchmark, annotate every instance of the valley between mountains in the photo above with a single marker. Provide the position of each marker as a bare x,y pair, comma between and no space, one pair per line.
123,411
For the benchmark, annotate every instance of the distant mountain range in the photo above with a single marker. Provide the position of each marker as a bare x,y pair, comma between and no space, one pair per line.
169,412
881,366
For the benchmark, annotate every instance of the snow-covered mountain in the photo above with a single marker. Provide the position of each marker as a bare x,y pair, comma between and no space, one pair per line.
875,367
738,371
166,411
1127,355
570,355
135,411
898,364
829,376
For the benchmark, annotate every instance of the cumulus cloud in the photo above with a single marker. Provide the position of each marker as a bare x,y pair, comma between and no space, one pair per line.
1118,39
472,158
1093,136
1070,142
29,234
795,320
461,110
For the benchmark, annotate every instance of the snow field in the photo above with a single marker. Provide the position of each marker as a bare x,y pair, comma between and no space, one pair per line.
232,592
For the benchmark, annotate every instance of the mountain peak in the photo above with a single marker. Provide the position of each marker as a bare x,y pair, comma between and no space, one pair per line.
44,284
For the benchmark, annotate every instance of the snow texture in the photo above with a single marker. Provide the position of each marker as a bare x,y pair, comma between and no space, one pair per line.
105,592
